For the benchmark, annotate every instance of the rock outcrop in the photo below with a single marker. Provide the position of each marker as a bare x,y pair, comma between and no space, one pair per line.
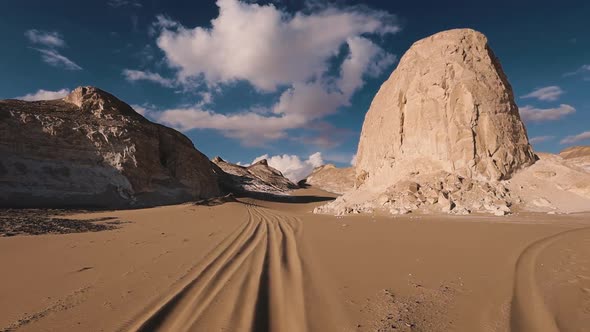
90,149
331,178
448,106
446,120
257,178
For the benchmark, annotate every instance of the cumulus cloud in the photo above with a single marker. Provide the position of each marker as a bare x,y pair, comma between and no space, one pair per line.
45,95
264,45
548,93
323,135
292,166
138,75
576,138
145,110
274,50
251,128
540,139
530,113
45,38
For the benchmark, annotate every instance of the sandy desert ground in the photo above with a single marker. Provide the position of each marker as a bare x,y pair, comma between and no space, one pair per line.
272,265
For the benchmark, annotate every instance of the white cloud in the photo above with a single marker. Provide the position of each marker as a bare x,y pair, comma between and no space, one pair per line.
46,38
540,139
138,75
45,95
263,45
147,110
51,40
364,57
530,113
272,50
548,93
353,160
251,128
293,167
124,3
584,69
54,58
576,138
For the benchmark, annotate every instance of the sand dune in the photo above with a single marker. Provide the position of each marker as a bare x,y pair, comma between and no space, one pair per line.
267,265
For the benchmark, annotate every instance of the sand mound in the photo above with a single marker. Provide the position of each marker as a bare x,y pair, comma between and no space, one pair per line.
575,152
552,184
577,156
331,178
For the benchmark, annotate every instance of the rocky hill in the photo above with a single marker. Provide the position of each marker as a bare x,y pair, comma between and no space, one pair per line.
331,178
578,156
91,149
575,152
441,134
256,178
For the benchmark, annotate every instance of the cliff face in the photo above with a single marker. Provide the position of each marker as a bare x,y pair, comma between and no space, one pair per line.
91,149
447,107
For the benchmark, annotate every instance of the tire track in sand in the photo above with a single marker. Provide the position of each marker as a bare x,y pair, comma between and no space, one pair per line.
253,279
529,313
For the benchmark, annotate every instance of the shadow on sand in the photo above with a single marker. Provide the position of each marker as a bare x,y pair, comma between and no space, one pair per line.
268,197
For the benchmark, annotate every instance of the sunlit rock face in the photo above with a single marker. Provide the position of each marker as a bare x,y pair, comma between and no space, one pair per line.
256,178
447,107
91,149
442,134
331,178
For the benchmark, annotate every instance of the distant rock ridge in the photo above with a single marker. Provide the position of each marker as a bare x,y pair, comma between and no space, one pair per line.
91,149
575,152
441,134
256,178
578,156
330,178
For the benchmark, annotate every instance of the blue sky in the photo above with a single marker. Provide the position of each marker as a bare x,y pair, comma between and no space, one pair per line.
246,79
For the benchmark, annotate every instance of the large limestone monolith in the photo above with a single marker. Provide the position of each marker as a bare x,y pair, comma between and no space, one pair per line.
448,106
446,118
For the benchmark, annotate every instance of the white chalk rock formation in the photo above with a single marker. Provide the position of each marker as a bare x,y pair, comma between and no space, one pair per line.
256,178
445,119
448,106
90,149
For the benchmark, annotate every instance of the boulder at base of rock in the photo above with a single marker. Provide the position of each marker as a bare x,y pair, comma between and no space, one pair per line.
92,150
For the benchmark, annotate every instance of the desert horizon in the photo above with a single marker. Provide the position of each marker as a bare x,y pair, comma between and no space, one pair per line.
403,176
